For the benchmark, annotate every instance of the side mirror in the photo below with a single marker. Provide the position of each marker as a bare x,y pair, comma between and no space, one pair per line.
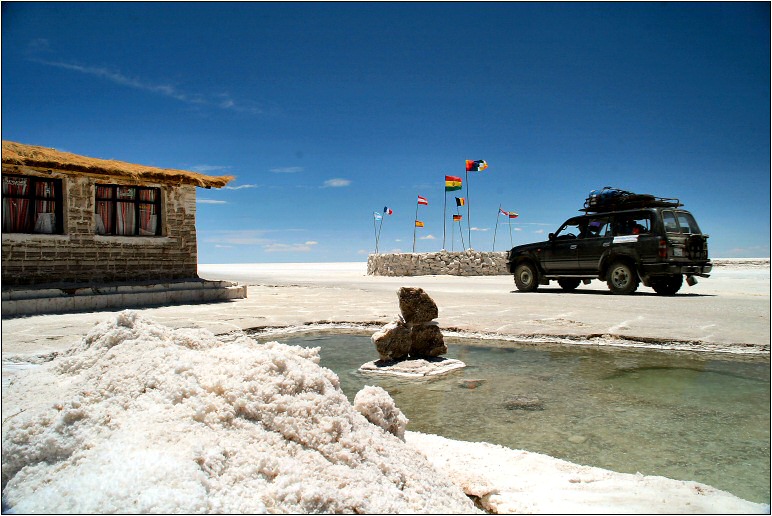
552,236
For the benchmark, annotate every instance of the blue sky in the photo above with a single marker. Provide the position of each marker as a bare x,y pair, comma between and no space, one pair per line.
326,112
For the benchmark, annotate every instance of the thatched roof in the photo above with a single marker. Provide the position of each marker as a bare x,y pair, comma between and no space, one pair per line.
35,157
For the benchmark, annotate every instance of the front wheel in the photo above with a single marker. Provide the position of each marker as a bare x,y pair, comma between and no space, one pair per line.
621,278
526,277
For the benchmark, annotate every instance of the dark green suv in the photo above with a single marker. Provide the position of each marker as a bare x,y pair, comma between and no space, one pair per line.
654,245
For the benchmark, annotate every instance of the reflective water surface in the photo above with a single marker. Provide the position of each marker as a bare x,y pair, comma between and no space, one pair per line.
687,416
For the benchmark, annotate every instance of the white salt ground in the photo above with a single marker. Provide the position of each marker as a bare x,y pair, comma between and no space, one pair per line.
143,418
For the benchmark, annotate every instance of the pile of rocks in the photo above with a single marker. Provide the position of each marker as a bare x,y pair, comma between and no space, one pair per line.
415,333
462,263
412,345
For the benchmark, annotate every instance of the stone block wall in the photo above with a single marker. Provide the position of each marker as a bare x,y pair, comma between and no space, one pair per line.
465,263
82,256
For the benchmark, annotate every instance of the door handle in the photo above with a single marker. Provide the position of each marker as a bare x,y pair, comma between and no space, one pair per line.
606,244
573,247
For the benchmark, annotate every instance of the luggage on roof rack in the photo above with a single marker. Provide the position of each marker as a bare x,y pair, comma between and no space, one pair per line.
613,199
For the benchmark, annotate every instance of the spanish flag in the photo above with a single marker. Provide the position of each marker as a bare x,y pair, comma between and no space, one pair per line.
457,218
419,224
452,183
476,165
460,201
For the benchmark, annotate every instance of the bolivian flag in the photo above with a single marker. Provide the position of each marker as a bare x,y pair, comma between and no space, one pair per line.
452,183
419,224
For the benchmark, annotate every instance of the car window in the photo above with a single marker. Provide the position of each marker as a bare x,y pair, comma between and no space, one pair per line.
687,224
671,226
571,229
633,224
597,227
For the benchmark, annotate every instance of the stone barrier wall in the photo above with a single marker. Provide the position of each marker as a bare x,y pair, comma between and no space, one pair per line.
464,263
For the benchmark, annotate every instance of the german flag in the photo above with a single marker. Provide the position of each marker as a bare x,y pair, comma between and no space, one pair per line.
457,218
452,183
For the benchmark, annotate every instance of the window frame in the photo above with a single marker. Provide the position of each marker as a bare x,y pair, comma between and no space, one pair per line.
137,202
34,198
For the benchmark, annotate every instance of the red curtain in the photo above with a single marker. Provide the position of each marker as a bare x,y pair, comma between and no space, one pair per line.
16,214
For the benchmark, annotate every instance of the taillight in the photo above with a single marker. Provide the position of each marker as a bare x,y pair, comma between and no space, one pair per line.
663,248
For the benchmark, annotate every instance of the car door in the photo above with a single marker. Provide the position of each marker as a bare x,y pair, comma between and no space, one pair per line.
561,255
595,241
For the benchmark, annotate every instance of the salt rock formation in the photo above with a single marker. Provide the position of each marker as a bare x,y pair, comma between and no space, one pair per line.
415,334
426,341
379,408
416,305
392,341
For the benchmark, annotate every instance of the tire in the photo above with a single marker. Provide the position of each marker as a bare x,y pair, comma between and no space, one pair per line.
621,278
668,285
569,284
526,277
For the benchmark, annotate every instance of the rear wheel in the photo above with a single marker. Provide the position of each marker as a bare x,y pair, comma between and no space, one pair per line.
621,278
526,277
668,285
569,284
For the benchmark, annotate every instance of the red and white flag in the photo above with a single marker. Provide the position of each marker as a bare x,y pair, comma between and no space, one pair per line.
422,200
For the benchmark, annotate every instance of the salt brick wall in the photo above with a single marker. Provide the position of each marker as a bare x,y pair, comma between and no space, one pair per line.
82,256
466,263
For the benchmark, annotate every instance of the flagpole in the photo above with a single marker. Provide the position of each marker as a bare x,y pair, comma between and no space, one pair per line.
444,217
510,233
496,228
375,229
460,231
380,227
414,224
468,222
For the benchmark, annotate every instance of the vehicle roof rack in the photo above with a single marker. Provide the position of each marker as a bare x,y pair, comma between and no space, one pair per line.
614,199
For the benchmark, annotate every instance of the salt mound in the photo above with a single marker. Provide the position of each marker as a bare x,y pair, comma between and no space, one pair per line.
143,418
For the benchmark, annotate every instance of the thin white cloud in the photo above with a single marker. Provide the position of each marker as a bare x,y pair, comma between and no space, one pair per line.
428,237
289,248
210,201
480,229
287,170
239,187
206,169
337,183
222,100
235,237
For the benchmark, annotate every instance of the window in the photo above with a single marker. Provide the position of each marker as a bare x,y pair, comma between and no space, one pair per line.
32,205
128,210
597,227
635,224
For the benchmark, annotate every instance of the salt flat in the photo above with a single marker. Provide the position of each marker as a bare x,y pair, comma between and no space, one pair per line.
728,312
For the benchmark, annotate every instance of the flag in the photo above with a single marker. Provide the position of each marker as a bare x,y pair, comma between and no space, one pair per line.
476,165
513,215
387,210
503,212
452,183
419,224
422,200
460,201
377,216
457,218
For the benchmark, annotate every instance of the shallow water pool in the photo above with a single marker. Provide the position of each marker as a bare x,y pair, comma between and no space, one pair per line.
686,416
